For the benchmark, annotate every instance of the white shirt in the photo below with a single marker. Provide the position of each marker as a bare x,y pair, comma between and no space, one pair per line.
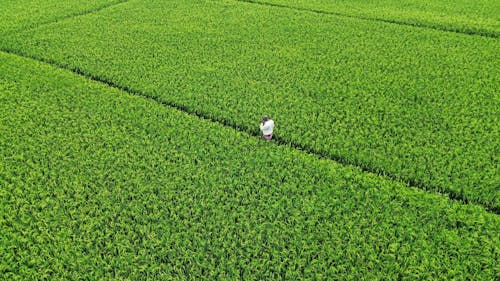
267,128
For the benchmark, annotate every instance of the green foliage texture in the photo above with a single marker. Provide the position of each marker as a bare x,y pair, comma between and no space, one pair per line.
128,146
101,184
418,104
472,17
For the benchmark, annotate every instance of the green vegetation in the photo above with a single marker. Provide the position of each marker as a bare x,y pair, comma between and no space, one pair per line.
129,148
97,183
20,15
465,16
418,104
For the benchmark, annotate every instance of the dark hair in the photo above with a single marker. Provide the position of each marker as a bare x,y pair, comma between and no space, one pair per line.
265,118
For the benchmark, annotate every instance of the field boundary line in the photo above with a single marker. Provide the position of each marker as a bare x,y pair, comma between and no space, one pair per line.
488,34
67,17
410,183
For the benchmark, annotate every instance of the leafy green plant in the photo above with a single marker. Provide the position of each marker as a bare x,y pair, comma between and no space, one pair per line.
21,15
96,183
478,17
415,104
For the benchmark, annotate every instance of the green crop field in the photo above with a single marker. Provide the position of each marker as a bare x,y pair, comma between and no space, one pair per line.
463,16
130,147
22,15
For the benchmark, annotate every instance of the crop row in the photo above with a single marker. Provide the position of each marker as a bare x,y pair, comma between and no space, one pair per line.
99,184
471,17
421,105
20,15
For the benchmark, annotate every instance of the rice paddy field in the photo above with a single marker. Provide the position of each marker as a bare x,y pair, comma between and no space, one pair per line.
130,146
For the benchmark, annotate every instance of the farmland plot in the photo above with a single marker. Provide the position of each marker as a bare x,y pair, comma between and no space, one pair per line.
420,105
96,183
464,16
20,15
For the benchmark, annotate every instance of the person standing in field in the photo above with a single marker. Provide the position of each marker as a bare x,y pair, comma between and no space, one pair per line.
267,126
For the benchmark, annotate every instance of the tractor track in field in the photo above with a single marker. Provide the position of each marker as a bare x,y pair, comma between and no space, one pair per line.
411,183
489,34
